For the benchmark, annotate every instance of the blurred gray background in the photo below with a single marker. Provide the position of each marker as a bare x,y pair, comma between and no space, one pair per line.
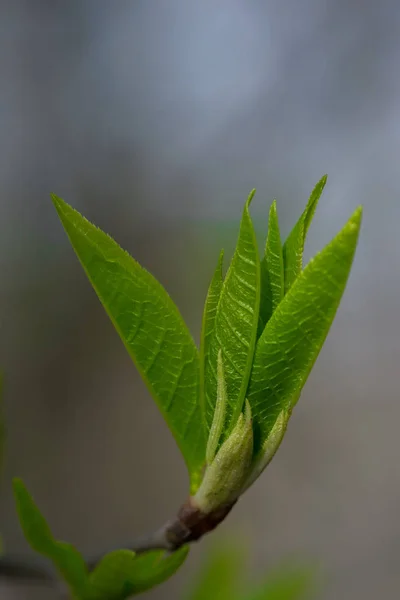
155,119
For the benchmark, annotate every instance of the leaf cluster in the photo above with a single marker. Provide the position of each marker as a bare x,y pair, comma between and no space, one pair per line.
227,403
266,316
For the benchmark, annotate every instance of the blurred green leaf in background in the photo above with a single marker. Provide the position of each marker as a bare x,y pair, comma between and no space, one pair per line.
224,576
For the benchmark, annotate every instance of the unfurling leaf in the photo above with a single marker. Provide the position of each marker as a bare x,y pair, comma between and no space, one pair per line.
268,449
219,415
151,328
236,322
294,335
225,476
272,272
294,246
207,329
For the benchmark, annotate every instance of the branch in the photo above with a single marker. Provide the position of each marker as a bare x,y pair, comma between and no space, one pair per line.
188,526
29,569
24,568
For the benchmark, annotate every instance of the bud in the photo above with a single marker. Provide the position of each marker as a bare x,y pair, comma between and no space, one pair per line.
219,413
224,477
269,448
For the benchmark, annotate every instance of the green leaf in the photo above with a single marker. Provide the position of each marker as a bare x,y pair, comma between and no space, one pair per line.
284,584
65,557
294,245
220,575
272,273
121,574
207,329
294,335
219,414
236,324
151,328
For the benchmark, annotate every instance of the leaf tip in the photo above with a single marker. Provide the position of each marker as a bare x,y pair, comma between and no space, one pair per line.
319,188
272,209
357,214
354,223
17,484
60,205
250,198
221,259
19,490
247,412
56,200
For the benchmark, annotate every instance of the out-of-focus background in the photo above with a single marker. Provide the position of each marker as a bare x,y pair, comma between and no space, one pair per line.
155,119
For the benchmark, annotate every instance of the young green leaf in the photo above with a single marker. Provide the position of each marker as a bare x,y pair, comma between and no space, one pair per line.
66,559
217,425
294,335
284,584
220,575
268,449
272,273
122,574
236,324
151,328
294,245
225,476
207,329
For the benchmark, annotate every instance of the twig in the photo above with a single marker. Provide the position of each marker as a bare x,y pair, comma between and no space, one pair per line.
25,568
189,525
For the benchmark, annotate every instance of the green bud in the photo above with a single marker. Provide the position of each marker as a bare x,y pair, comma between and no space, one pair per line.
219,413
224,477
269,449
